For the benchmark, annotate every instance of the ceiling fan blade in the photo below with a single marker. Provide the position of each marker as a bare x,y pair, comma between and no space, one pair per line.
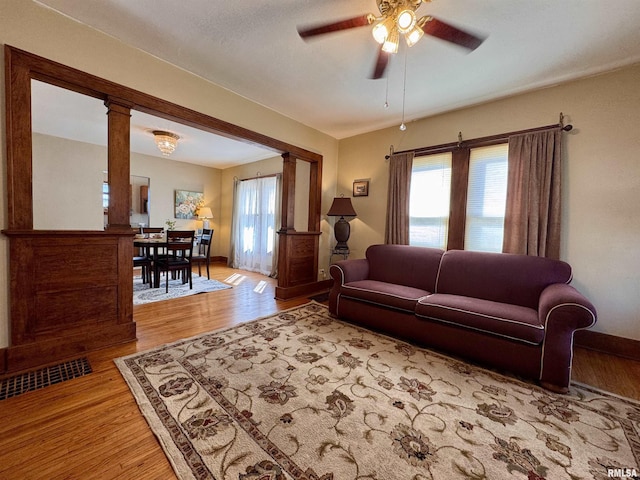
361,21
381,64
444,31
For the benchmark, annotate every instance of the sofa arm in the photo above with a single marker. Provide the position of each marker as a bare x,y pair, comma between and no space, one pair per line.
349,270
562,310
563,303
344,272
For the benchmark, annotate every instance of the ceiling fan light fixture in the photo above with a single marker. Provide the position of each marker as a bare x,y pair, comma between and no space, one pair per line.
406,20
381,30
165,141
413,36
392,41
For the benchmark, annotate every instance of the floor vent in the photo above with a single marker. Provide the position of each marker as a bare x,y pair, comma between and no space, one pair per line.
27,382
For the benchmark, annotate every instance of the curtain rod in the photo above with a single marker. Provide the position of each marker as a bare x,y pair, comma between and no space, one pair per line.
483,141
259,176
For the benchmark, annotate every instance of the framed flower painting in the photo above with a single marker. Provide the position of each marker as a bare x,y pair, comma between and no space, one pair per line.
187,204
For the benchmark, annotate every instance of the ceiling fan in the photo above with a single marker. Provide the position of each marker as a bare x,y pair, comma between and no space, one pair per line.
397,17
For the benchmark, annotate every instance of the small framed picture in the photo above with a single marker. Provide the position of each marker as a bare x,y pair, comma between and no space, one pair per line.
361,188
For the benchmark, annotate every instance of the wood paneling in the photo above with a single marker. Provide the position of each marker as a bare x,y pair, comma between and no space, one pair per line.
298,262
70,292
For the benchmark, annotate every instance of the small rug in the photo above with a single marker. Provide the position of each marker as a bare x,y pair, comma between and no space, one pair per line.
143,294
29,381
301,395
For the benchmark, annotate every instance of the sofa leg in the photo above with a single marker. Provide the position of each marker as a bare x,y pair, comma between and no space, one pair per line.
554,388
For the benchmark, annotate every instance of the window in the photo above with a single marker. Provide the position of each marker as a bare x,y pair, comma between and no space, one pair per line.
486,198
458,198
255,224
429,200
105,196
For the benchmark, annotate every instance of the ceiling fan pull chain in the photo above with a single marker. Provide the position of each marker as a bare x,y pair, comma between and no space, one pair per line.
403,127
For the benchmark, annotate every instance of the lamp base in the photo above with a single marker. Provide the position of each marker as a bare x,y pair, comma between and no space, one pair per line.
205,224
342,231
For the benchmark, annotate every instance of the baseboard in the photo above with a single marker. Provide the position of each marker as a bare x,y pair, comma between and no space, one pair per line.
219,259
3,360
610,344
283,293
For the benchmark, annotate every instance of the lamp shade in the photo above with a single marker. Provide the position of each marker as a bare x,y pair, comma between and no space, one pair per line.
341,207
205,212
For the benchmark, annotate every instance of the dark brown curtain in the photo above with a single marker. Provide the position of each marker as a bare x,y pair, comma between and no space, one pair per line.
397,228
532,219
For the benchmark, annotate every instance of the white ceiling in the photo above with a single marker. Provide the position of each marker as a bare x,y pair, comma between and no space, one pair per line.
66,114
253,49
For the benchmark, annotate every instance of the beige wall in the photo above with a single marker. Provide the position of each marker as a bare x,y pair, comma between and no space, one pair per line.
73,172
67,184
166,176
26,25
601,187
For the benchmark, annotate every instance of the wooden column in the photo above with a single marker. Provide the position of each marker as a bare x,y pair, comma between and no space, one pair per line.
19,139
298,251
118,152
288,192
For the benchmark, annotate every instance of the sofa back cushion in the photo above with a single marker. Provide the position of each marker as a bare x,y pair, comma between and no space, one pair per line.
499,277
404,265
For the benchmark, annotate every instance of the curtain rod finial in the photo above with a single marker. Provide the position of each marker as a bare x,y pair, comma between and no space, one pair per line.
564,127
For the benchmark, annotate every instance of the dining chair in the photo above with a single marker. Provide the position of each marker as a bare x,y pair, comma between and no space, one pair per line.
144,262
178,257
204,249
142,259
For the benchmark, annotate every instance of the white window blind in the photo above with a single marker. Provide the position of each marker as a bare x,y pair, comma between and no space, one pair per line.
429,200
486,198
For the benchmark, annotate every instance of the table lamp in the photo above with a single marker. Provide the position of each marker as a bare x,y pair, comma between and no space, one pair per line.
341,207
204,214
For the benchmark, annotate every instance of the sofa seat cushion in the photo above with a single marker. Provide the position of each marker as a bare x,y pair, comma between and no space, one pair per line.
389,295
495,318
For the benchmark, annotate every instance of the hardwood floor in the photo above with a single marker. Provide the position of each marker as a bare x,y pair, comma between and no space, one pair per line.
91,428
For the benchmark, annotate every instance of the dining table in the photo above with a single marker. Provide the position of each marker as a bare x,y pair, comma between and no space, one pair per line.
153,246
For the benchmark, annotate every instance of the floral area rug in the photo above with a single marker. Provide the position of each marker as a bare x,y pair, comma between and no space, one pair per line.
301,395
143,294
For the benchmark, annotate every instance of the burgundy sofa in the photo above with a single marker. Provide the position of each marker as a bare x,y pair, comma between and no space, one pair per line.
512,312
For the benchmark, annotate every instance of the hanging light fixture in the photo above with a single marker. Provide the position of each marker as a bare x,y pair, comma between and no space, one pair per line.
399,20
166,141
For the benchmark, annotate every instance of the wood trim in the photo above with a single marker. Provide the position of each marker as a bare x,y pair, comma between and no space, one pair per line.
288,192
85,83
18,138
285,293
315,196
610,344
53,350
20,68
118,158
3,360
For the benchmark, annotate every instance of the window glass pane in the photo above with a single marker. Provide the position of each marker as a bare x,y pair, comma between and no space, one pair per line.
429,200
486,198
